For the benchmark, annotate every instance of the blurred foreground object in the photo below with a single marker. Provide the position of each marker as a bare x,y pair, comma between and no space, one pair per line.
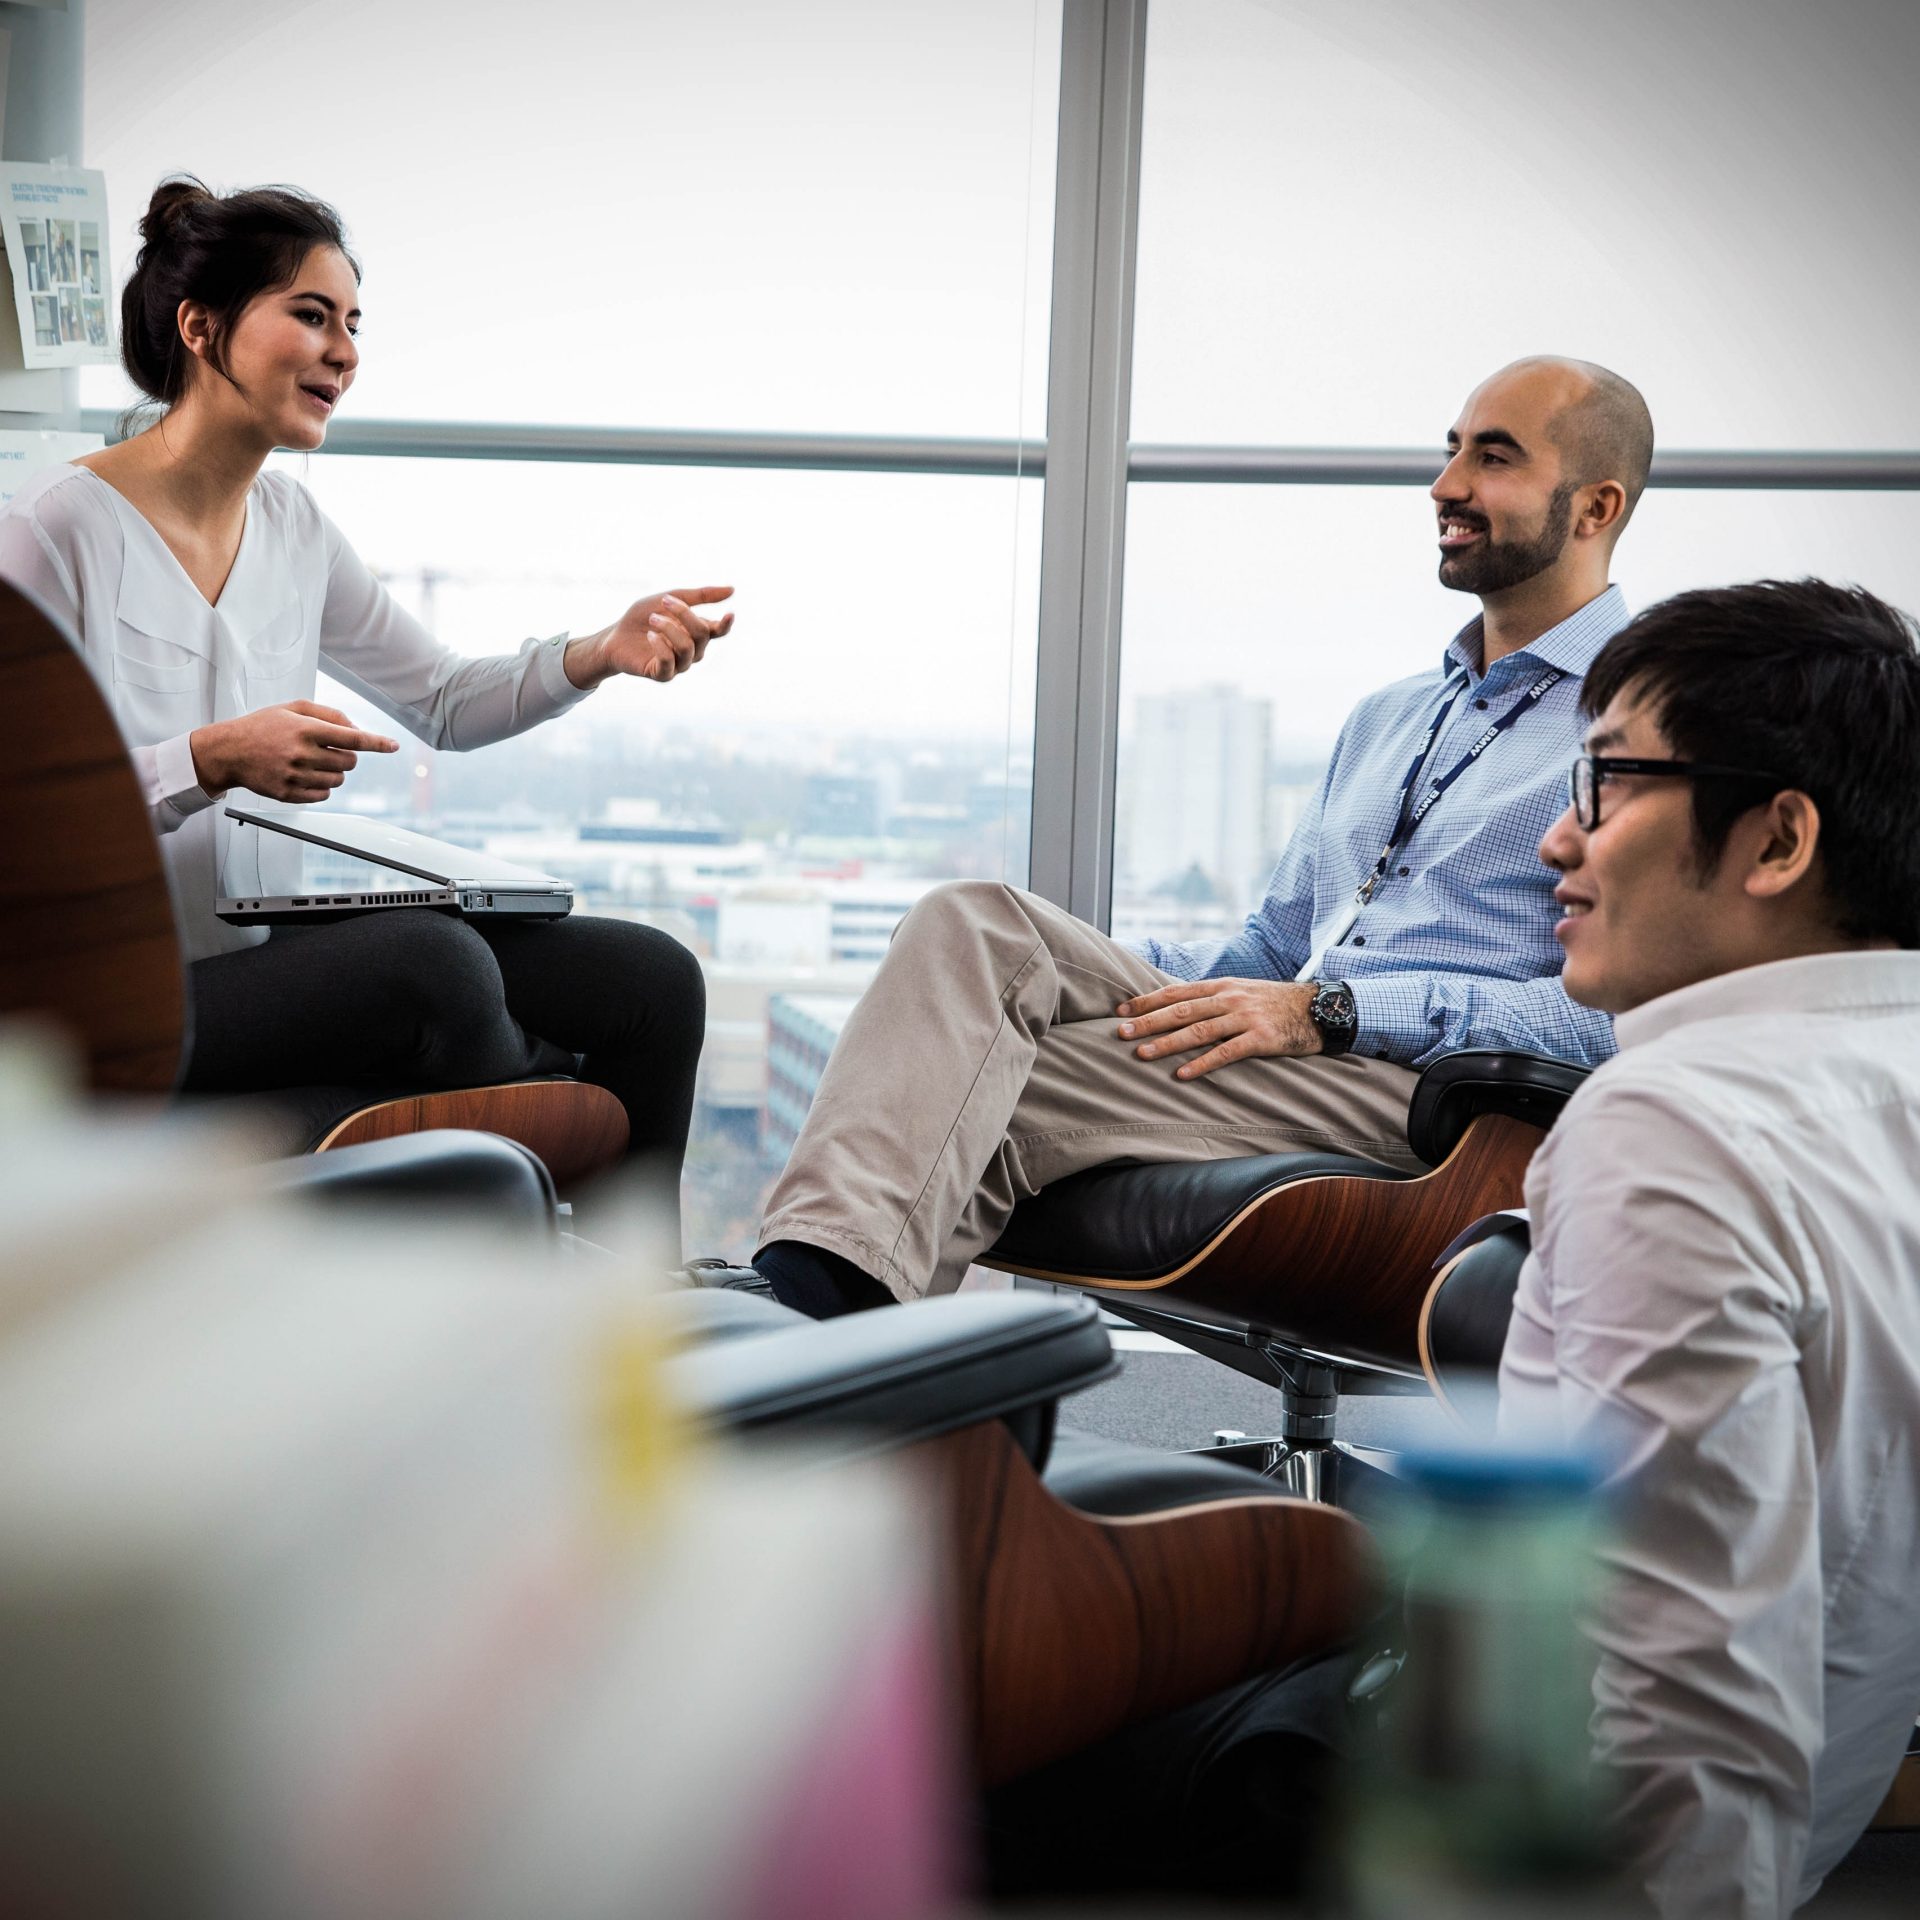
1480,1794
352,1567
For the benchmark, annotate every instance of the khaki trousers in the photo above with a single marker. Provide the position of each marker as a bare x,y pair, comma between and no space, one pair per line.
984,1063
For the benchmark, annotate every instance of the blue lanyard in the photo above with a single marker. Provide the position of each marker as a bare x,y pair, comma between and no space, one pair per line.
1410,815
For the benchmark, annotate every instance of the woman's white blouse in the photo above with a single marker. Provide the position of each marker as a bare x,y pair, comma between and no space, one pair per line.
169,661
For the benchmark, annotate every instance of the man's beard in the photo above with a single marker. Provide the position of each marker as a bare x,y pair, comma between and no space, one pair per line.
1496,565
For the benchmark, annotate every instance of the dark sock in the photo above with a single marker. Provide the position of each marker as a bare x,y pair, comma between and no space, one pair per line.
816,1282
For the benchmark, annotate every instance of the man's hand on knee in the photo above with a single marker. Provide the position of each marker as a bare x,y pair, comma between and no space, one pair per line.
1232,1019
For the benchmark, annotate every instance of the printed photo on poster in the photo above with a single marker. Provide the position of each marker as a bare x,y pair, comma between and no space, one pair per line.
54,224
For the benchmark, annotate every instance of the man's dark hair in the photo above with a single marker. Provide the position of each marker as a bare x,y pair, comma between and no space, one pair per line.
1815,685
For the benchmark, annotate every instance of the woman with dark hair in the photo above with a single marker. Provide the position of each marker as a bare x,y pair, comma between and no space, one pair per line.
205,592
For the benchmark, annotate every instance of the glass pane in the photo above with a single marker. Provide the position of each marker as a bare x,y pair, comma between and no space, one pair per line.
1350,214
739,214
1314,596
865,731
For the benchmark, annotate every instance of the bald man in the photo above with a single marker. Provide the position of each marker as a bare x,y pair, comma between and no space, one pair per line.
1004,1044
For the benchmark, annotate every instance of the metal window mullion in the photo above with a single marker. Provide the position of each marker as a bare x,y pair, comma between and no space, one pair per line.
671,447
1783,469
1089,378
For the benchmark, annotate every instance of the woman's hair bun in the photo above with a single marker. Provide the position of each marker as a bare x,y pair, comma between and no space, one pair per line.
170,205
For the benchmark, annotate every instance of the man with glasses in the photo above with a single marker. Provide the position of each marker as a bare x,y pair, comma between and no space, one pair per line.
1723,1300
1722,1304
1005,1044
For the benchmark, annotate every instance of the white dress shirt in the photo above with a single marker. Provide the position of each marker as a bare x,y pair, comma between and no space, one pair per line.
1724,1299
169,661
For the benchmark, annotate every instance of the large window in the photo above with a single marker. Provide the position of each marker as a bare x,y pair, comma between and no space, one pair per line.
1350,215
754,219
694,213
746,218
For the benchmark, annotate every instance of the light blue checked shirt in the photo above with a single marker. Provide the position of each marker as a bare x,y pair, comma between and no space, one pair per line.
1455,948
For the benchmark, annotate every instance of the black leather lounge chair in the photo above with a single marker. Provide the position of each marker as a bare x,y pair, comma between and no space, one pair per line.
1307,1270
480,1175
1092,1584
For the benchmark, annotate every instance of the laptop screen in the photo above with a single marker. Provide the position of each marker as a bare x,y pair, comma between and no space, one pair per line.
300,868
356,836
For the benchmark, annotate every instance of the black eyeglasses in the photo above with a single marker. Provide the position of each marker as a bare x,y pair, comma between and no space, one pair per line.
1583,779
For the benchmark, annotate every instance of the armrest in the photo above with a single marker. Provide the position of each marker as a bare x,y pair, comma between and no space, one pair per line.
899,1374
1463,1326
1459,1087
474,1174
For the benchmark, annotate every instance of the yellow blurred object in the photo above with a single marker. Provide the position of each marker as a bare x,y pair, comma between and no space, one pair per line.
637,1438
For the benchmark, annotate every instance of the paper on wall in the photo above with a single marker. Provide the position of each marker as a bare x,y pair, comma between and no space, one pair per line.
54,220
20,391
23,454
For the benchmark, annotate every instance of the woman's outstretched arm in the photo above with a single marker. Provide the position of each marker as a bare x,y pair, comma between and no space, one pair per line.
448,699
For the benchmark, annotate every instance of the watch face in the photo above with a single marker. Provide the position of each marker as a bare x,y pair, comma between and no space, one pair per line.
1333,1012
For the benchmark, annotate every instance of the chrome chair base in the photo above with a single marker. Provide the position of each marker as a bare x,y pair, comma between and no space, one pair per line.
1333,1472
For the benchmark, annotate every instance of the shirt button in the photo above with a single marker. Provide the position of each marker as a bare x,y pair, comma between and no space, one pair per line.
1481,704
1380,1053
1359,939
1404,871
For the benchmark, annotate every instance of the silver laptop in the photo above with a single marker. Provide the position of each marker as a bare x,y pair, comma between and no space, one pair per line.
349,864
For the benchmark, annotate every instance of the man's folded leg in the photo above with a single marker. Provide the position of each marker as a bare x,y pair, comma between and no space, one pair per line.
1089,1101
927,1073
984,1062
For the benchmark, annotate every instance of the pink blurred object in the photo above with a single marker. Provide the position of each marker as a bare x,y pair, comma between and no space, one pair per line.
867,1832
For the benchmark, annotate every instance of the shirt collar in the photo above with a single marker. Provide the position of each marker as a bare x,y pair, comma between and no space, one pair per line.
1867,983
1570,646
156,596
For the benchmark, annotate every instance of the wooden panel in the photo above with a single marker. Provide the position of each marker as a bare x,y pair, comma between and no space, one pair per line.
1900,1810
1341,1264
1070,1627
577,1129
87,938
1423,1338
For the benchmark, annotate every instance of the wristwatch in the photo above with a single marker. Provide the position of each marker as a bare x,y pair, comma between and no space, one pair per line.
1333,1012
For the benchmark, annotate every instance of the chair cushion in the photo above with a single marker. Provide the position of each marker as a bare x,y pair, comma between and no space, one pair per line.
1112,1479
898,1374
480,1174
1138,1221
695,1315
